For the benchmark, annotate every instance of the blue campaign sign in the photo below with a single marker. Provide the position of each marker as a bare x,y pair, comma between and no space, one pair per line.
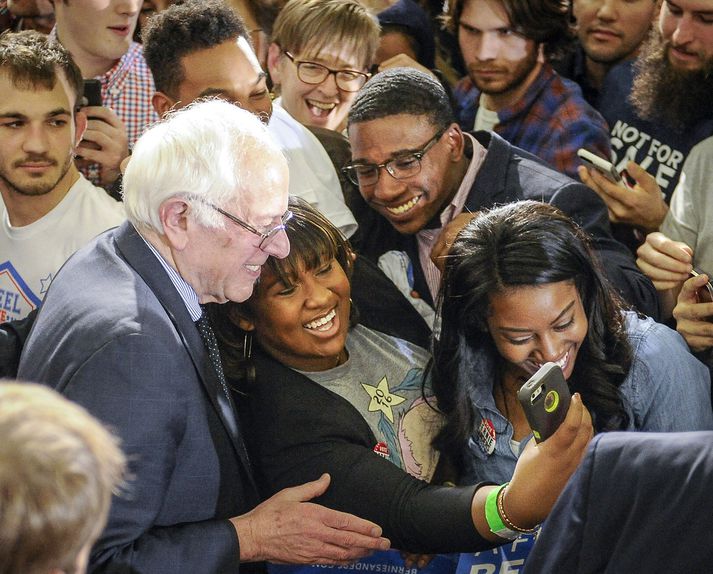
506,559
388,562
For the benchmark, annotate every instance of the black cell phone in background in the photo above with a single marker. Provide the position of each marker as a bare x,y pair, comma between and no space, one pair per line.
92,93
545,398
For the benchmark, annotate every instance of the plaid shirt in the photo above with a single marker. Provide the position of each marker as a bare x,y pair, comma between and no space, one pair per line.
551,121
127,89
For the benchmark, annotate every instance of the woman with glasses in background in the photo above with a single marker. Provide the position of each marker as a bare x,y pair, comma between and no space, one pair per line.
319,58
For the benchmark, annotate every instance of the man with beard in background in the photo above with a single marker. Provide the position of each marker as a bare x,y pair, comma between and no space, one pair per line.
658,108
512,89
608,32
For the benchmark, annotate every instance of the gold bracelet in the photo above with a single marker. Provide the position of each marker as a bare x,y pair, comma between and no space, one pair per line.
506,520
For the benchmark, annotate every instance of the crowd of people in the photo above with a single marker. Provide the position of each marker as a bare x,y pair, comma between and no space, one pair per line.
299,256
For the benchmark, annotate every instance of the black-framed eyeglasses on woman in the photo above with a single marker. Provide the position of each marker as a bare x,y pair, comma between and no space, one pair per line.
314,73
407,165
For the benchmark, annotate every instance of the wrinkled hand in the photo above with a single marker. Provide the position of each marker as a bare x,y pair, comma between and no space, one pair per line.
288,529
543,469
665,261
105,142
404,61
641,205
694,320
445,240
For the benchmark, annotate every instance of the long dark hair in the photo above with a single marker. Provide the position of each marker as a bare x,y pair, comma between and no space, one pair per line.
313,240
519,244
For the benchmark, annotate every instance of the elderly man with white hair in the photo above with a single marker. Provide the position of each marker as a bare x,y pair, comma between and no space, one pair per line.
122,332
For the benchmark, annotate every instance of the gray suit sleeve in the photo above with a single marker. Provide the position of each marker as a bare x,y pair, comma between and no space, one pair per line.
137,385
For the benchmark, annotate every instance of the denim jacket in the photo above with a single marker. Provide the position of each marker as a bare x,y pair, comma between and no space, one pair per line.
666,390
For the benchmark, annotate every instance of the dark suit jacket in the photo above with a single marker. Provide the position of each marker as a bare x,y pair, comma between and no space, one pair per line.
510,174
639,502
114,335
313,430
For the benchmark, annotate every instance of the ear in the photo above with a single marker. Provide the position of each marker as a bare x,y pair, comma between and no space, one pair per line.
174,216
80,125
274,56
162,103
456,141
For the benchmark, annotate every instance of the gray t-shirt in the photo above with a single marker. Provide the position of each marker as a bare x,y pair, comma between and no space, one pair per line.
382,379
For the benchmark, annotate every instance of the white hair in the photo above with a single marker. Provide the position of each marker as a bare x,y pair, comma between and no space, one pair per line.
208,152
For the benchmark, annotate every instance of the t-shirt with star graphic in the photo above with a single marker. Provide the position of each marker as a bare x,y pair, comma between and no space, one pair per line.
382,379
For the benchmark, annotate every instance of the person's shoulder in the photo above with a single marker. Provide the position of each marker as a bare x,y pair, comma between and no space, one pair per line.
639,326
386,344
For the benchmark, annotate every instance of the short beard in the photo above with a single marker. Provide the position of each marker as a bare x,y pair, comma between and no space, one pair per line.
38,189
665,94
521,74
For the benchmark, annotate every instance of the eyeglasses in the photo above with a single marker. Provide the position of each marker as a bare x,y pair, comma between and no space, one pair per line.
265,238
365,174
314,73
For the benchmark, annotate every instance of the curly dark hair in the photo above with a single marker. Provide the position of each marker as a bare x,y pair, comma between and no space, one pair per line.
182,29
522,244
402,91
547,22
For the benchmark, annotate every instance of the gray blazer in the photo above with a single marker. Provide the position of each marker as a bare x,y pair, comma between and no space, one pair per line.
114,335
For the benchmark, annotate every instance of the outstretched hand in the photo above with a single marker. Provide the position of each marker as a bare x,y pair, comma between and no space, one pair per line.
286,528
543,469
641,205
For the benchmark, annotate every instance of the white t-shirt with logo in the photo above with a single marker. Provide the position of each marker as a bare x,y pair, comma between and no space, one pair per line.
31,255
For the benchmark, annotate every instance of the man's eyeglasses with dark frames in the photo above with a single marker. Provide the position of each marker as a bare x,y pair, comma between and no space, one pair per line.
265,238
365,174
314,73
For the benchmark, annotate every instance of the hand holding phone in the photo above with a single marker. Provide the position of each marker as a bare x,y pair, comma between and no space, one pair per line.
545,398
606,168
705,293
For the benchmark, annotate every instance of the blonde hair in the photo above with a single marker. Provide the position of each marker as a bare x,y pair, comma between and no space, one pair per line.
306,27
58,469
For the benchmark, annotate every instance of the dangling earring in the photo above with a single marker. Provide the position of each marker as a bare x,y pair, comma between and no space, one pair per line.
247,367
247,346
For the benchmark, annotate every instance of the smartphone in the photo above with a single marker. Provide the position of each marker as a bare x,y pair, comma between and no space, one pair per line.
92,93
545,398
606,168
705,293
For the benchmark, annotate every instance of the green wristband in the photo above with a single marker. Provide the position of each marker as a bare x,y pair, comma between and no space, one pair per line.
492,516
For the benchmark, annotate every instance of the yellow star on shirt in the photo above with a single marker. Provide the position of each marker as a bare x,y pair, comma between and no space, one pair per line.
382,399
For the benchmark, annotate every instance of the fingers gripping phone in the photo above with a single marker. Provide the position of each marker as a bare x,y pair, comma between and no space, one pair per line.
545,398
606,168
705,293
92,93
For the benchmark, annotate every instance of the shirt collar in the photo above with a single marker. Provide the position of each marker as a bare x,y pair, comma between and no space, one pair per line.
456,204
188,295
